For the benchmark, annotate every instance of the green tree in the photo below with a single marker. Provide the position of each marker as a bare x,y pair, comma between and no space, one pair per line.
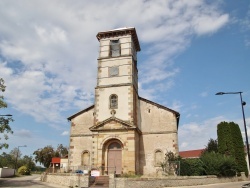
5,128
7,160
230,143
62,151
212,146
28,162
44,155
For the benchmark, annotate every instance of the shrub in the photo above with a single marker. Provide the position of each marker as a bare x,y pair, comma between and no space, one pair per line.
191,167
23,170
218,164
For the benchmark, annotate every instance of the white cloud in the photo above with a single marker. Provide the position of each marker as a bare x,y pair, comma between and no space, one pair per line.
207,24
23,133
49,52
65,133
196,135
177,105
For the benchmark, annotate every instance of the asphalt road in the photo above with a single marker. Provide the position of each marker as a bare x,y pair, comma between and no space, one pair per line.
27,182
34,182
220,185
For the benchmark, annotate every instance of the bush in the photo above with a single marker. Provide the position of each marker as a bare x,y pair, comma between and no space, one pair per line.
191,167
218,164
23,170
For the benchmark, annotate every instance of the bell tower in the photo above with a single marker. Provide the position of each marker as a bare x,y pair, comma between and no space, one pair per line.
116,93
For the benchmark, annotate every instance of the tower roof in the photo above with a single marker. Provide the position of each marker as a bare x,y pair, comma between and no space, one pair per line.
120,32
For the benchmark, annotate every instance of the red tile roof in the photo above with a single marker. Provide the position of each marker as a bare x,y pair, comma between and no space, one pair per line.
191,153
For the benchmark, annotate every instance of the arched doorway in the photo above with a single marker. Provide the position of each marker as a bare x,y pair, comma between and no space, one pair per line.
114,157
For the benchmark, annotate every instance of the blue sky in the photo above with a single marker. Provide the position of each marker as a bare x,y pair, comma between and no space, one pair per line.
190,50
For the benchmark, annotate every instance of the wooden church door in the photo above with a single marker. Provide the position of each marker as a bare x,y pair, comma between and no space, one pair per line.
114,158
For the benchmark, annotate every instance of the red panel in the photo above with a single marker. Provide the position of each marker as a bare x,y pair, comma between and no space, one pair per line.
56,160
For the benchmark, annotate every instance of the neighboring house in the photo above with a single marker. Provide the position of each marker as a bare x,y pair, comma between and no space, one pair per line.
59,164
191,153
122,131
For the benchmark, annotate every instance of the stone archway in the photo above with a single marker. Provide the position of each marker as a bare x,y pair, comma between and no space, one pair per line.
114,157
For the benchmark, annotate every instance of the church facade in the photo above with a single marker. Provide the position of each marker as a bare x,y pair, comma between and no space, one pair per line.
121,132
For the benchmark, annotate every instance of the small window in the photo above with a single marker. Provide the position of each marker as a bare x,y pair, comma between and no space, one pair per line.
158,157
115,48
113,101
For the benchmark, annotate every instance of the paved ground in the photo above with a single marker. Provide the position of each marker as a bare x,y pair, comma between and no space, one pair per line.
27,182
220,185
34,182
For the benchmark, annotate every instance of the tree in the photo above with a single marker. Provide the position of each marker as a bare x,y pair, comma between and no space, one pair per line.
7,160
212,146
45,155
62,151
5,129
230,143
28,162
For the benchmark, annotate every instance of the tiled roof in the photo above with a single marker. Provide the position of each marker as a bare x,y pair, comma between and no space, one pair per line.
191,153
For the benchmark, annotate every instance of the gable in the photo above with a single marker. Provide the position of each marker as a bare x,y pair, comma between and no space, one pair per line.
175,113
112,123
81,112
82,121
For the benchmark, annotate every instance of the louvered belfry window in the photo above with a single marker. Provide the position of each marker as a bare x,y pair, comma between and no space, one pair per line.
115,48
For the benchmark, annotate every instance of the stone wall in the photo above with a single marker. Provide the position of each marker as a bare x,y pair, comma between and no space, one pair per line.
159,134
71,180
83,181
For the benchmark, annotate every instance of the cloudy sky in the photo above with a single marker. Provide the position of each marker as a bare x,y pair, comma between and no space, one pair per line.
190,50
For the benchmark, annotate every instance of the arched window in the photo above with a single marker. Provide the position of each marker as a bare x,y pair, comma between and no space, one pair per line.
85,158
113,101
158,157
114,145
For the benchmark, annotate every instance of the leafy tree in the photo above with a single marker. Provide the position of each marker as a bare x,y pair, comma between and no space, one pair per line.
212,146
45,155
4,121
62,151
7,160
10,159
28,162
230,143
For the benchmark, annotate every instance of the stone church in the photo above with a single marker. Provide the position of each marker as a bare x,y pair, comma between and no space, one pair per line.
121,132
